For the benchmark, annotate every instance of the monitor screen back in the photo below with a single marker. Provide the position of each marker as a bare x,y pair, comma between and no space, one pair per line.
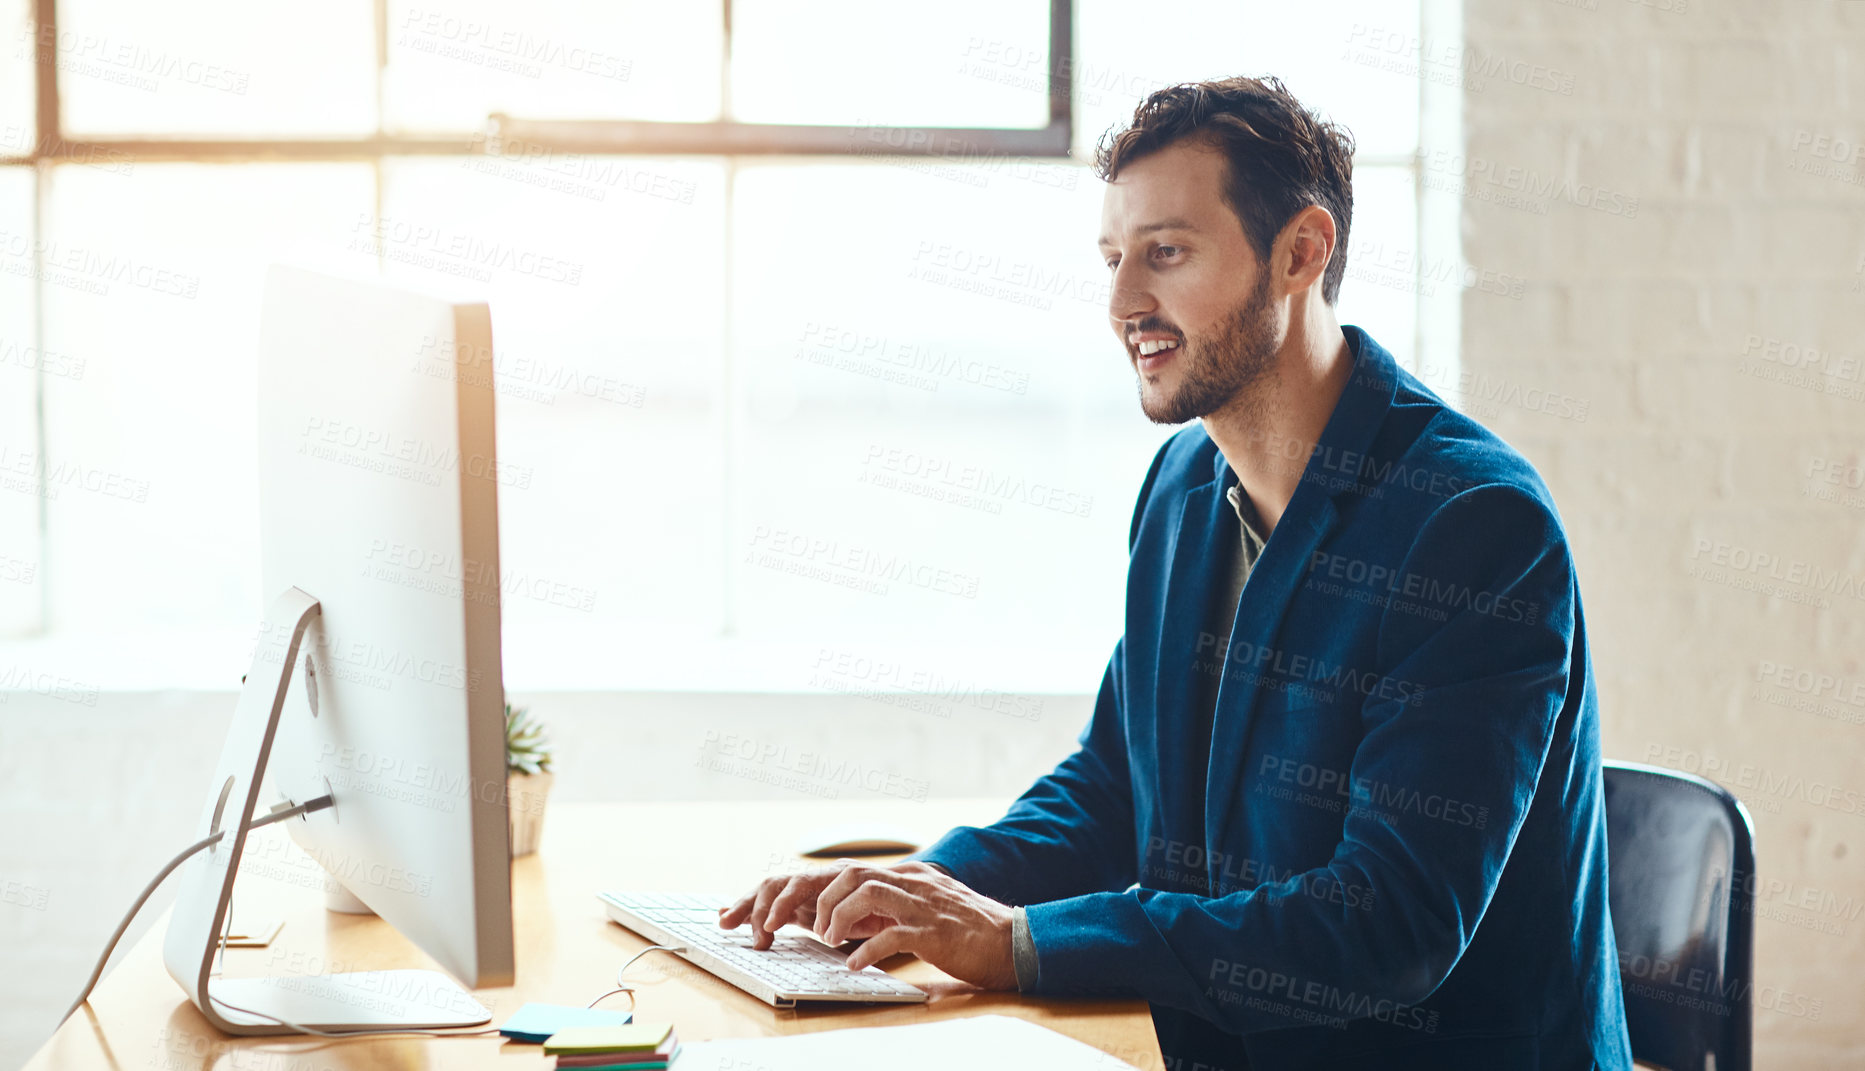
379,497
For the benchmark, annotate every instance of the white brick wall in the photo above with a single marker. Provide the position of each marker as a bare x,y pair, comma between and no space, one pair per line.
1708,116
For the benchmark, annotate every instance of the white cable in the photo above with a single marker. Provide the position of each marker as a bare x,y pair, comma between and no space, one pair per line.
148,890
623,987
307,807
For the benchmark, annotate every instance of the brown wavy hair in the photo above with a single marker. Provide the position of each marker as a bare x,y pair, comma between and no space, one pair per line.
1282,157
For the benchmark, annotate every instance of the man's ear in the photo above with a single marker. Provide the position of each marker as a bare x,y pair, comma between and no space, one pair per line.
1304,248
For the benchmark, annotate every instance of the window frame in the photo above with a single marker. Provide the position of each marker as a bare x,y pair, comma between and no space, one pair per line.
725,138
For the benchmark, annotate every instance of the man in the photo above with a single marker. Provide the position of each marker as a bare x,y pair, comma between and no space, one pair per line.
1339,804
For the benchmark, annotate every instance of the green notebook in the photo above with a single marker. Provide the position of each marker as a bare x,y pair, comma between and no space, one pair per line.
635,1037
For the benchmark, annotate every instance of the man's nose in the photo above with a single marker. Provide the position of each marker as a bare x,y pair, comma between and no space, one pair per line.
1127,301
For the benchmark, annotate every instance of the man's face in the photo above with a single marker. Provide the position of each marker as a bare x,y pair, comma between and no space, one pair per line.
1186,286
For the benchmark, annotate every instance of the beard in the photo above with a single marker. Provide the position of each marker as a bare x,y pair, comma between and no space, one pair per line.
1225,368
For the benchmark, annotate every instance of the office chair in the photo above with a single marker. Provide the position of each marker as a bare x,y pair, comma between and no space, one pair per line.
1681,859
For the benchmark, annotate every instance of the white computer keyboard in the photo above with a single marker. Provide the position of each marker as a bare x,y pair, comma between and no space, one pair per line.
792,969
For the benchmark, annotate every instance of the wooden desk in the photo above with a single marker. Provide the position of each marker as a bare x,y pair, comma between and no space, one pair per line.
568,951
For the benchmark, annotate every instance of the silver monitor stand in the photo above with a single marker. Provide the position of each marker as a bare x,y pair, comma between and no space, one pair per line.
358,1001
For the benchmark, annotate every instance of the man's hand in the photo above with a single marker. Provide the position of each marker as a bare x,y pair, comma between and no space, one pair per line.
907,907
776,901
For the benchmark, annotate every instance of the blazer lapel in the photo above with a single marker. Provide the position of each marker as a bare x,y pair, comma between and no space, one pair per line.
1310,517
1190,584
1266,595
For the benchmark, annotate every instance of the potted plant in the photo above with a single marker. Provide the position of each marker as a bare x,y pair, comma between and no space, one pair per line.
527,777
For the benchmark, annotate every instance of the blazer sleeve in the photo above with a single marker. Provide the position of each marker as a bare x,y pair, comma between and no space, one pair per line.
1073,831
1494,677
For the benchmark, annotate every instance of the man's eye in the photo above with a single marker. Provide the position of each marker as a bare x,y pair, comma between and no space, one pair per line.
1167,250
1112,263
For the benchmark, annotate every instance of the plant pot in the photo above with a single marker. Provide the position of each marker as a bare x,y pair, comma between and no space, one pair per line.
524,796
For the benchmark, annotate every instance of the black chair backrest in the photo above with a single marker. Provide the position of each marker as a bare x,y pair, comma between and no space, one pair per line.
1681,856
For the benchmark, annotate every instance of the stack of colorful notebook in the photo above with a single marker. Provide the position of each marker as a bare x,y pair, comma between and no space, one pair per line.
635,1047
535,1023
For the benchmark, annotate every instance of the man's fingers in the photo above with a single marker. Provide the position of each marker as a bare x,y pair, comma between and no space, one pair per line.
854,873
837,889
889,942
874,897
767,891
862,929
733,917
796,902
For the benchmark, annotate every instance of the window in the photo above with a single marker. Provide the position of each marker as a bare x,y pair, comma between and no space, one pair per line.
816,392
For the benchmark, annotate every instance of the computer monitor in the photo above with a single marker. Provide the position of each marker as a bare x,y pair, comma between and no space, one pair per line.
376,678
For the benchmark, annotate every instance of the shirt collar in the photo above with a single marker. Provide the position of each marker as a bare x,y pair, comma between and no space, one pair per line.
1246,513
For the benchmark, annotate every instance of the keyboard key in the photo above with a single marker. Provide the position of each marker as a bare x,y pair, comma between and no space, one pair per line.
794,967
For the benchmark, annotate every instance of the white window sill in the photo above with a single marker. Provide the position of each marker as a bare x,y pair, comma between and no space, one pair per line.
578,660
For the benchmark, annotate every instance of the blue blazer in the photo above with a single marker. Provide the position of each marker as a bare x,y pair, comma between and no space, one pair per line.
1390,849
